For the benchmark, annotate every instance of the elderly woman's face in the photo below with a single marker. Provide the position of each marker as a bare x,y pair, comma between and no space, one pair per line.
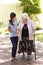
24,20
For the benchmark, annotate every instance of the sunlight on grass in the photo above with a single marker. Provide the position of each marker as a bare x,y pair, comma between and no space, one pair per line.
39,37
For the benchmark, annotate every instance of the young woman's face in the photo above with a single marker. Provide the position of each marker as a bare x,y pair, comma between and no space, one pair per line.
24,20
14,19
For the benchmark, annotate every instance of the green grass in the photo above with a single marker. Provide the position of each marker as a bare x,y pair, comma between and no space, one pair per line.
39,37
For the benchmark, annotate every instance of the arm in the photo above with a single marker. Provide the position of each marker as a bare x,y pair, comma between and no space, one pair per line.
18,28
9,29
33,26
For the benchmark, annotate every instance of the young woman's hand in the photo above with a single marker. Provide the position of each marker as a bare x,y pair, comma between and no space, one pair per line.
17,31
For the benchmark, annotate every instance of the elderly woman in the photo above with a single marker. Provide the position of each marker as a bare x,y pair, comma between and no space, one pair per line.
26,30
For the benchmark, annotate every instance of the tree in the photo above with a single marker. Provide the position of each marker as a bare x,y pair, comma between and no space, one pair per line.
31,6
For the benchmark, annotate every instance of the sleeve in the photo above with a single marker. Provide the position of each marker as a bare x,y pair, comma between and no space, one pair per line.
33,25
8,24
19,26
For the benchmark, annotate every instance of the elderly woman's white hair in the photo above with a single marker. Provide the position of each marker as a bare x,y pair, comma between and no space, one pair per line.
25,15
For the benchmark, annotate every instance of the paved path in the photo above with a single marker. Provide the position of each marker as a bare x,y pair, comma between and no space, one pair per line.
5,54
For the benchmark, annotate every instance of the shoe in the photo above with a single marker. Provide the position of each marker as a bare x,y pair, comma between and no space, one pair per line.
15,59
12,59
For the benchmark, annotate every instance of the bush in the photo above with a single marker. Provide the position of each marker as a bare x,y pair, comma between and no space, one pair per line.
38,26
34,17
1,23
3,30
39,37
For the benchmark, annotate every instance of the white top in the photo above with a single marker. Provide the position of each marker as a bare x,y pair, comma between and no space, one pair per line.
14,28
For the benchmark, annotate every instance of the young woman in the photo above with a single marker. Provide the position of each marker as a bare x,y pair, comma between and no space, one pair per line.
26,30
12,27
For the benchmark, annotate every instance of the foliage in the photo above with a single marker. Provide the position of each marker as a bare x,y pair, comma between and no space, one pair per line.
39,37
34,17
3,30
1,23
38,26
31,6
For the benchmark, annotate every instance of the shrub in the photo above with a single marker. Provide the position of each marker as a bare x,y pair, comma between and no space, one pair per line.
38,26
